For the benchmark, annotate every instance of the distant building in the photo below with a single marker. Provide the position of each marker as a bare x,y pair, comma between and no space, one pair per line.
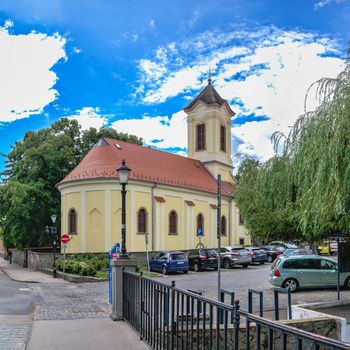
169,197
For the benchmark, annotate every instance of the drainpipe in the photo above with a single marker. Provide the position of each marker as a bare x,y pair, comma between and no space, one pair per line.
153,216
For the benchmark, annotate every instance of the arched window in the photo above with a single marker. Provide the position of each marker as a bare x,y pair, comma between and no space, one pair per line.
142,221
200,141
200,223
222,138
223,226
173,223
72,222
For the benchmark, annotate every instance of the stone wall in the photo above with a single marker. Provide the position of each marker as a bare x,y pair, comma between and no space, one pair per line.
40,261
18,256
322,326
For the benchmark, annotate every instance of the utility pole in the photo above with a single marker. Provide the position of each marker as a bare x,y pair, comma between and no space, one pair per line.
218,211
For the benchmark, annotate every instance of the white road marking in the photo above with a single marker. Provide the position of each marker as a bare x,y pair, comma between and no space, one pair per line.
24,289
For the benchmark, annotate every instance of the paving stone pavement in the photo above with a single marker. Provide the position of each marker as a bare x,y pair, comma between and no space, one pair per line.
14,336
69,301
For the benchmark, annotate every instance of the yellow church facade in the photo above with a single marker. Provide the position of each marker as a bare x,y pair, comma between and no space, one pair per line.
169,197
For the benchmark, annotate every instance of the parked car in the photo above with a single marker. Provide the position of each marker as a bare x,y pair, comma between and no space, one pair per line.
295,251
272,252
283,244
200,259
306,271
230,256
328,247
169,261
257,254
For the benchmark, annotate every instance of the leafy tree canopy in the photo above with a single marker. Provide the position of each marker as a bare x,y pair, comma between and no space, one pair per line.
304,190
28,193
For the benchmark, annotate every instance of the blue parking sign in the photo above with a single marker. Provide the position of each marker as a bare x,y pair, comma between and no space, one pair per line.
199,232
115,250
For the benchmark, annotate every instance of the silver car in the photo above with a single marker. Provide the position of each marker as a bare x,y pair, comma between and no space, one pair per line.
231,256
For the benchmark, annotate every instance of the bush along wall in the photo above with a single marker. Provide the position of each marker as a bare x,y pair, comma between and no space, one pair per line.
84,264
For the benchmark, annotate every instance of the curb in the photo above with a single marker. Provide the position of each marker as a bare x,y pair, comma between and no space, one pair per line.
14,279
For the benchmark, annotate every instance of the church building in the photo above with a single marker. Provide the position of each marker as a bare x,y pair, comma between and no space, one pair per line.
170,198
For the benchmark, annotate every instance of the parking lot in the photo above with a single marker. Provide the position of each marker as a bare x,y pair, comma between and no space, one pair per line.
240,280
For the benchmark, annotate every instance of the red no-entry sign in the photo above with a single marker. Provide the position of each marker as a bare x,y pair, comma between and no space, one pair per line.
64,239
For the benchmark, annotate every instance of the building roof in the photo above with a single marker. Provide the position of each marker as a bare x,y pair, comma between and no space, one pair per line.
210,96
146,164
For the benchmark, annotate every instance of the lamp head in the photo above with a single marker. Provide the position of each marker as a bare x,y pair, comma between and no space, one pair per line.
123,173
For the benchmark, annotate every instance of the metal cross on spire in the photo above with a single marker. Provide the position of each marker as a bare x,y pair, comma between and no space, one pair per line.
209,76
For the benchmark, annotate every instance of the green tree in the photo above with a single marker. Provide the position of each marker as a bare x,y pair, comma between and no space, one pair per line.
28,193
304,191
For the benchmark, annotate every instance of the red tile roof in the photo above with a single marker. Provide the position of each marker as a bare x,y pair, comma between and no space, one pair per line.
146,164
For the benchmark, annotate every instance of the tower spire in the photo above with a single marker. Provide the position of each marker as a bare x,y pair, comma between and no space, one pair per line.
209,76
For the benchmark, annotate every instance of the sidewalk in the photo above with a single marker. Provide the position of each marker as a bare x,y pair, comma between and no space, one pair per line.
88,333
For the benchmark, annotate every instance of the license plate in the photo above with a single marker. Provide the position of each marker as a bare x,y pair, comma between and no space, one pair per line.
180,263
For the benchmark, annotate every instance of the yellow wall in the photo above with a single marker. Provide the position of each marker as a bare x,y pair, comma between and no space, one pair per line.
98,206
72,201
115,218
95,219
142,200
173,203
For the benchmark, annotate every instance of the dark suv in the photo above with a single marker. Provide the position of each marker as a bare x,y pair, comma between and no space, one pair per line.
200,259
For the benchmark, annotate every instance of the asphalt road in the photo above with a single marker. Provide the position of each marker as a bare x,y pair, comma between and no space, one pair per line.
15,297
16,308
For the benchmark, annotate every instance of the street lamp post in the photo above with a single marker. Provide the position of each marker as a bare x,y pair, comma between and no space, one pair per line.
123,174
54,271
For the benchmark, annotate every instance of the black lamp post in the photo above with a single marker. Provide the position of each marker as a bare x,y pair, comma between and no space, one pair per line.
123,174
54,271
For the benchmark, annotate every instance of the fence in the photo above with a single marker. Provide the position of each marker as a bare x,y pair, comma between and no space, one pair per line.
167,317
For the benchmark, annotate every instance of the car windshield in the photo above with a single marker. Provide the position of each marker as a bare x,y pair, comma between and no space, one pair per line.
178,256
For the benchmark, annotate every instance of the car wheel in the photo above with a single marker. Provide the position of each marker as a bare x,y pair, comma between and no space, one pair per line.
186,271
215,268
164,270
227,264
347,283
245,266
270,259
262,262
291,284
196,267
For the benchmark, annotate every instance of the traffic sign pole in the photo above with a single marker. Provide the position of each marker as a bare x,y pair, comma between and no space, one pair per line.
64,240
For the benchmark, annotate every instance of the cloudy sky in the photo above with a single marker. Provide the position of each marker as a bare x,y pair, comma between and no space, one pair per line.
133,65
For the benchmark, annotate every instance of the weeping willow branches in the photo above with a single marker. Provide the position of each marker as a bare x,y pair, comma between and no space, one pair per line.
305,189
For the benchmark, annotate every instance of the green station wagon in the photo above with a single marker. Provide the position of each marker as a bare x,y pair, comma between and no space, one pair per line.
306,271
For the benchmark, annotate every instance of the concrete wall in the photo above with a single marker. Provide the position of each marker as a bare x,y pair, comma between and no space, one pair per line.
314,310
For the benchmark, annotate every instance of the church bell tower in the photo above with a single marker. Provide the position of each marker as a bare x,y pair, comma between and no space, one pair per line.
209,132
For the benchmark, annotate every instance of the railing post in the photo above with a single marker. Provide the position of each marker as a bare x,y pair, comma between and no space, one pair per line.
173,325
277,306
117,285
236,321
141,305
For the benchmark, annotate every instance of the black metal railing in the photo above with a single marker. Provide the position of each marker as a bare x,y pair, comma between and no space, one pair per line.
167,317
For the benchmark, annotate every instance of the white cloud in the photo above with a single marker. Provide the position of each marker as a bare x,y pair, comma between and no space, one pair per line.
26,78
262,73
323,3
89,117
161,131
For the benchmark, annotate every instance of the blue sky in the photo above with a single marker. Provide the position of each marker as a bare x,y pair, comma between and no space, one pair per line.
134,65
